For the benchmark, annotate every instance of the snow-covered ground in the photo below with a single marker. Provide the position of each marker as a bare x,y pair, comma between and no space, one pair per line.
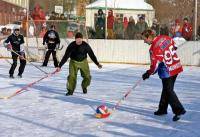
44,111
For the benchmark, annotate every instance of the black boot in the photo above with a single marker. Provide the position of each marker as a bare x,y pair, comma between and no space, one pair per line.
69,93
178,116
11,76
84,90
160,113
19,75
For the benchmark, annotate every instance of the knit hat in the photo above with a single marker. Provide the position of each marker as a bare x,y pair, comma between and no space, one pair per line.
78,35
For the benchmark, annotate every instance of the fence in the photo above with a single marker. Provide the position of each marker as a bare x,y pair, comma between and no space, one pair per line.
120,51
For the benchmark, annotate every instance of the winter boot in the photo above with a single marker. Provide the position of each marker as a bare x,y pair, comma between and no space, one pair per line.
11,76
19,75
69,93
160,113
84,90
178,116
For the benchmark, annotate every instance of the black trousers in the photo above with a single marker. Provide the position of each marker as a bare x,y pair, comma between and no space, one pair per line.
48,53
14,65
168,96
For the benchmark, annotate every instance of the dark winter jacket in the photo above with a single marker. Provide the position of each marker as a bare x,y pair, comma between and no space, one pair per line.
51,37
15,41
156,28
78,53
131,30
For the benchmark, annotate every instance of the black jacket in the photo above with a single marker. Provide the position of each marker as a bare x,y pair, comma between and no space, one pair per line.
51,37
78,53
15,41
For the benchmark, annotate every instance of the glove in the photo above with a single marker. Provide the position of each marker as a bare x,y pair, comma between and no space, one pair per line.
175,48
9,47
145,75
99,66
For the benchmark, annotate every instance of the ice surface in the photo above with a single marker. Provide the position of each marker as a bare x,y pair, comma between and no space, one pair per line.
44,111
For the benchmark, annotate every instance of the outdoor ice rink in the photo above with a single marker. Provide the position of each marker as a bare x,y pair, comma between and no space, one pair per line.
44,111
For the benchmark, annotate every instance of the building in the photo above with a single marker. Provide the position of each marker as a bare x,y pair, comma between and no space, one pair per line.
11,10
121,8
20,3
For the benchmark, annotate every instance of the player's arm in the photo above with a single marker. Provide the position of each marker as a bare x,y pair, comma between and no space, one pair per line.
66,56
153,67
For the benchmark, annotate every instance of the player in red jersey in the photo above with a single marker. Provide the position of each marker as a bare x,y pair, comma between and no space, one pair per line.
165,61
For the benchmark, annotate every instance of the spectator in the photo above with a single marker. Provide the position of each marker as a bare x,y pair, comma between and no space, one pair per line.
110,24
125,24
62,26
187,30
62,17
91,33
3,31
47,16
176,29
3,34
164,30
8,32
118,29
57,16
52,16
100,25
38,15
141,25
131,29
156,27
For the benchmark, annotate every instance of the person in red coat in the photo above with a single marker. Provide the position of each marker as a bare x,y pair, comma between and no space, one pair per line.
187,30
110,24
165,61
38,16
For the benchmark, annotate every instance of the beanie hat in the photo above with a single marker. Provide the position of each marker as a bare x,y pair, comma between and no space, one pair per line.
78,35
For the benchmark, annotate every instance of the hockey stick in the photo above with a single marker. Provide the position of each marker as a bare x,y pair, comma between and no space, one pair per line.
119,102
126,95
29,61
27,86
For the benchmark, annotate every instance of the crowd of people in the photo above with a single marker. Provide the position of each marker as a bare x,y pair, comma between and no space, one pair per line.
119,26
5,31
129,28
40,22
